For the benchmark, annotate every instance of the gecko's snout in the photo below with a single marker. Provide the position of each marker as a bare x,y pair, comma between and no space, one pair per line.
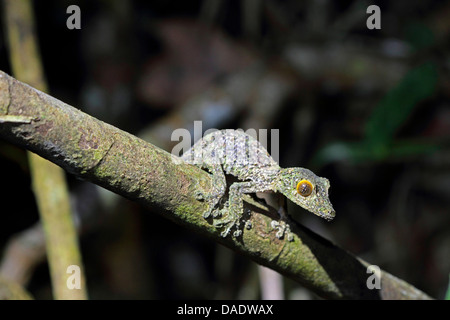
327,213
330,216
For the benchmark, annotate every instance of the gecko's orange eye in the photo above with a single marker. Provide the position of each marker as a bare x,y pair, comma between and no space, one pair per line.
304,188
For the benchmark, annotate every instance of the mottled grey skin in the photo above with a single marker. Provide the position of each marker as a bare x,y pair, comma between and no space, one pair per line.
235,153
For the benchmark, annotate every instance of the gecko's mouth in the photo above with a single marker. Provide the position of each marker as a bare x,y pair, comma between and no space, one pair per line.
330,216
327,214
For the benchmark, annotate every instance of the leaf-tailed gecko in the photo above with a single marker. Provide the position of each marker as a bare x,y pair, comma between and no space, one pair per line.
238,154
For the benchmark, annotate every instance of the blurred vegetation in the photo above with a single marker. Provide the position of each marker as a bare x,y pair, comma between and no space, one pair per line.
379,141
447,295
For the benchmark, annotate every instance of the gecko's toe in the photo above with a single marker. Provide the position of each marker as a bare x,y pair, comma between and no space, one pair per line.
281,228
225,233
199,195
290,236
217,214
279,234
237,233
206,214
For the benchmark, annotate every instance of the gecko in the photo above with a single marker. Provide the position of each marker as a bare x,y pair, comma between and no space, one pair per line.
235,153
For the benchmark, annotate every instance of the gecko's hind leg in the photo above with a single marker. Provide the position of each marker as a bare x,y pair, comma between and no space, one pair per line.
236,204
218,188
218,185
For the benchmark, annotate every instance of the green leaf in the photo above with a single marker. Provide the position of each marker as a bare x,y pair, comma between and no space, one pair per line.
386,119
419,35
342,151
392,111
401,149
447,295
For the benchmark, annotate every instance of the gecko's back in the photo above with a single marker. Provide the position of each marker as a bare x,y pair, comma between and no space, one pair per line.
240,154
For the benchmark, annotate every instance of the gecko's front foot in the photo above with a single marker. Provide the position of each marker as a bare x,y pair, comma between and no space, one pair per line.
228,224
231,220
213,200
283,229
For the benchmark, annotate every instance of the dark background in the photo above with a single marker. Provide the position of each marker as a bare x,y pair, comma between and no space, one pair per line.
368,109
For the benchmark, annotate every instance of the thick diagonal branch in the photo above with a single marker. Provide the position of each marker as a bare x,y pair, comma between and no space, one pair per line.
129,166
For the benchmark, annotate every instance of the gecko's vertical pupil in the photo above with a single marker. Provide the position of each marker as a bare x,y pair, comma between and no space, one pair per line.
304,188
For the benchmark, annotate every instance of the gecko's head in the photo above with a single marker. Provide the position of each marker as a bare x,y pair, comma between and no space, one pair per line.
307,190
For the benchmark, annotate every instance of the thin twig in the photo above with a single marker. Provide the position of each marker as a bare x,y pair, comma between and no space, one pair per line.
48,180
12,291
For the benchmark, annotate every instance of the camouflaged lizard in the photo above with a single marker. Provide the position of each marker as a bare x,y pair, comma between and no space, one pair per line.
236,153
